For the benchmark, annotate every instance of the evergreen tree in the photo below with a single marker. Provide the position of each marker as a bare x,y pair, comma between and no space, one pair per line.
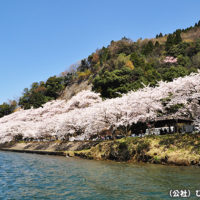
148,48
157,44
112,84
177,38
170,42
83,66
54,86
159,35
137,60
7,108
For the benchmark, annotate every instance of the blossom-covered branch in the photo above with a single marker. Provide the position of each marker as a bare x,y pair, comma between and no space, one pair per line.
86,114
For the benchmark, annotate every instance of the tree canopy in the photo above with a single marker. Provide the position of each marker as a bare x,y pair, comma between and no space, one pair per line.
122,66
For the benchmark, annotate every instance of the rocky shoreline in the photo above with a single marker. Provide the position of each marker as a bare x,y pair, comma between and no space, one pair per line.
176,149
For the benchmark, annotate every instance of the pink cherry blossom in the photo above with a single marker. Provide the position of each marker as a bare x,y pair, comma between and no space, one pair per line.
170,59
86,114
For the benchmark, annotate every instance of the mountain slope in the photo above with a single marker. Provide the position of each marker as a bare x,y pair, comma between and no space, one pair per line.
120,67
86,115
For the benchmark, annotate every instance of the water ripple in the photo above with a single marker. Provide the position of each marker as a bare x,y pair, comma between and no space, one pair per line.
29,176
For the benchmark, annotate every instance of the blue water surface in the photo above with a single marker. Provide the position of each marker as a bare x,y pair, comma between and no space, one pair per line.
31,176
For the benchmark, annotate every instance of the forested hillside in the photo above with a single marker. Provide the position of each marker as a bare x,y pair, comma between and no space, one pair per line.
120,67
86,115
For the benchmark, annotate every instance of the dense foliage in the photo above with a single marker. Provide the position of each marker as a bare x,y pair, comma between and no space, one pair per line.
86,115
150,62
7,108
42,92
122,66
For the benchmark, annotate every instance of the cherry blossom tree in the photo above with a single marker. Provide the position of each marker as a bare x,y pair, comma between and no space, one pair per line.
170,59
86,114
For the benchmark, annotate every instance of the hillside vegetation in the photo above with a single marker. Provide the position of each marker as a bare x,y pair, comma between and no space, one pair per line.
175,149
86,115
120,67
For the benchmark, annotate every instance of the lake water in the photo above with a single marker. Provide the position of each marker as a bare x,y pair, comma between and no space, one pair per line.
30,176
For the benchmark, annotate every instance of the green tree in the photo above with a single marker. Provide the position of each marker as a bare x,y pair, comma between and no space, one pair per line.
38,99
68,78
54,86
4,109
177,37
174,72
184,61
179,49
41,93
7,108
170,42
24,100
173,39
84,65
157,44
137,60
104,55
148,48
112,84
159,35
196,60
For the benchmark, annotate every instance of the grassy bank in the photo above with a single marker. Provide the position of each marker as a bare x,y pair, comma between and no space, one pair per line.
174,149
168,149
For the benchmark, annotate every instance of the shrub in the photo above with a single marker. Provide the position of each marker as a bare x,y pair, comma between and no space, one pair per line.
123,146
142,146
18,137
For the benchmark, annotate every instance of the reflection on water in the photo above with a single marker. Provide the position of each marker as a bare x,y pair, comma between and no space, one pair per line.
29,176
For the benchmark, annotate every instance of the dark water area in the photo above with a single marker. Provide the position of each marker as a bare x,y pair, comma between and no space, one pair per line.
30,176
